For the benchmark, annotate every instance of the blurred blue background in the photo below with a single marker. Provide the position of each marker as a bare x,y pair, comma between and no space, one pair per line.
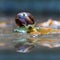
36,7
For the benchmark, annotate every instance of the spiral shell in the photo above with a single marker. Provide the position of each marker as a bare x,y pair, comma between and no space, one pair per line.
24,18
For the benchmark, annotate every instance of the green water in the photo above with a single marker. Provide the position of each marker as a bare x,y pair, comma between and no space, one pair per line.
40,54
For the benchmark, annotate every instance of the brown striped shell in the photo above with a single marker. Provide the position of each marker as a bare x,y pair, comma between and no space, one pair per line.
24,18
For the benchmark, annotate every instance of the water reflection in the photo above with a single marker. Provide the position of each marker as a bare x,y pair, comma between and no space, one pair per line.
50,41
